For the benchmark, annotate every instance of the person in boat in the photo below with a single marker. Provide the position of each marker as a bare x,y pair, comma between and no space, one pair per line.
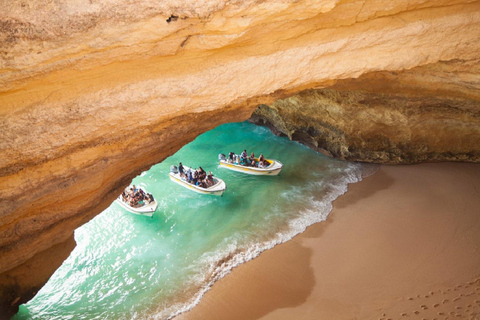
243,161
244,154
150,197
262,162
133,203
230,157
261,158
201,173
195,177
201,184
243,158
209,180
130,194
181,170
125,195
252,159
189,176
146,199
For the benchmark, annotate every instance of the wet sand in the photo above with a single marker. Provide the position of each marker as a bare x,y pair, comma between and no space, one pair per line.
403,243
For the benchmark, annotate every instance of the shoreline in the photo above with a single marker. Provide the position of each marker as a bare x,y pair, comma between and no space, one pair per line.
402,243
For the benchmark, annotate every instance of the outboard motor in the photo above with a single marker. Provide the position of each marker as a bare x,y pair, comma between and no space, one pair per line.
173,169
221,156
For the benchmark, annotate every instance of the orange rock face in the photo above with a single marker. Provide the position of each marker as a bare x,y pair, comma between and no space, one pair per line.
425,114
94,92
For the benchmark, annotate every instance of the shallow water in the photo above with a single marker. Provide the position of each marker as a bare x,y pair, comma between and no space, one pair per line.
127,266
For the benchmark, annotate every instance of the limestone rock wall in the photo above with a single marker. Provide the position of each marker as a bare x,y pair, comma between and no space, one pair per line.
94,92
429,113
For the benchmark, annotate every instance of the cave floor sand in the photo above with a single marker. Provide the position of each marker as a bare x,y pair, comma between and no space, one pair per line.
403,243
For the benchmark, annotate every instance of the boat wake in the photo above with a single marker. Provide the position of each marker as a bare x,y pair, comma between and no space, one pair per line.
220,263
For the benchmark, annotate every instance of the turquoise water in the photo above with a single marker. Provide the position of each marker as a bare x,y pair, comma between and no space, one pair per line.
127,266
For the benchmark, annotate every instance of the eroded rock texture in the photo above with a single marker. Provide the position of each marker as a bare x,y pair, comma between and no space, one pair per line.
94,92
429,113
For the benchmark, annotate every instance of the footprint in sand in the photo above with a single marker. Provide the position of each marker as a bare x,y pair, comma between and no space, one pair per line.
416,312
436,305
456,299
445,301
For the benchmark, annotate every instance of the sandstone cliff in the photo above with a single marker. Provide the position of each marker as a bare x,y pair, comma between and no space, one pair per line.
429,113
94,92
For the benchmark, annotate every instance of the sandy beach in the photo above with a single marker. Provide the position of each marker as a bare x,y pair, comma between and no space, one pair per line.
403,243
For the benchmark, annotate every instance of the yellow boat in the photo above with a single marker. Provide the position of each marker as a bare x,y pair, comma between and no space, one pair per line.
274,166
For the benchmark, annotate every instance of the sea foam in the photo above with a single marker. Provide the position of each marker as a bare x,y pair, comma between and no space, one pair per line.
131,267
222,262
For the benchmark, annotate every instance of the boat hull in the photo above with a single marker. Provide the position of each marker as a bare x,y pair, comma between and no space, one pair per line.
147,210
272,170
216,190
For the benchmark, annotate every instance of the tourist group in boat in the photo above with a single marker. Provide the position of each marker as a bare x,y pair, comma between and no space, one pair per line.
250,164
197,180
138,201
136,197
251,161
197,177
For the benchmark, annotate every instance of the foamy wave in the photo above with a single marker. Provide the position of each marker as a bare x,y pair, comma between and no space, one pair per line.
221,263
